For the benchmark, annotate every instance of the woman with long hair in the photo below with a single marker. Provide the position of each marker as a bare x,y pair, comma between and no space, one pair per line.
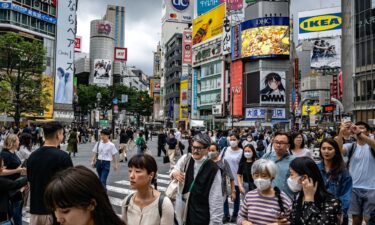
297,146
245,180
77,197
313,204
142,207
335,174
26,145
13,172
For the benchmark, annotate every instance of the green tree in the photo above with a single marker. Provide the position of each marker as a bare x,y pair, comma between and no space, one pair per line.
22,63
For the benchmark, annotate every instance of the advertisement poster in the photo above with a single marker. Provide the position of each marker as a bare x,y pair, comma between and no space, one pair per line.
237,87
326,52
177,11
102,71
65,52
187,48
266,37
208,25
184,111
272,87
204,6
319,23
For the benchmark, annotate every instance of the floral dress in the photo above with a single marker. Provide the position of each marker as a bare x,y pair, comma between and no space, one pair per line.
327,213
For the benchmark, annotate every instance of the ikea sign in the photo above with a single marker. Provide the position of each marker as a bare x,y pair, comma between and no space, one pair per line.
328,22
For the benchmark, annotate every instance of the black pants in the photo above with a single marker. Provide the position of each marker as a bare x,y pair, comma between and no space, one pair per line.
161,149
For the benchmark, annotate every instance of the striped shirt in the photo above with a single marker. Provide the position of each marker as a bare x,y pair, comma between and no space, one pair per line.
261,210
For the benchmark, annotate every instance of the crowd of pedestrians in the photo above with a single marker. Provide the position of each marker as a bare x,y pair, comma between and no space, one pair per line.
270,177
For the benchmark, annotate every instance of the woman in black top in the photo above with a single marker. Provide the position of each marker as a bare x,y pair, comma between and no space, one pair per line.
13,172
123,148
312,204
245,179
7,186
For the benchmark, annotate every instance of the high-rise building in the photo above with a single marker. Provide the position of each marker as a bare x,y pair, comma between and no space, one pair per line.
116,15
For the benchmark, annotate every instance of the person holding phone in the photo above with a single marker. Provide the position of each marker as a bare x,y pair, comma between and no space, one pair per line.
312,203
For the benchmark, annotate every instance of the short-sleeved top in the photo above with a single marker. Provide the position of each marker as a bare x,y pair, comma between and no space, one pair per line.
304,152
361,163
11,162
283,173
245,171
42,165
233,158
105,150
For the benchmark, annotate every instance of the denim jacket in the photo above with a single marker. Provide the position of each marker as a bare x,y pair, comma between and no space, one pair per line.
341,187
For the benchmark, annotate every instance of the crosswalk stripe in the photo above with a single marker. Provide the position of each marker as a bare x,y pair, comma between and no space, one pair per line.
164,176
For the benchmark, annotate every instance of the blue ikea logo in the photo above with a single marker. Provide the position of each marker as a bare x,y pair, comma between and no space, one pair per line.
320,23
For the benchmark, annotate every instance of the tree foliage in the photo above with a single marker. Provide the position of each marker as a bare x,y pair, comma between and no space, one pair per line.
22,63
139,102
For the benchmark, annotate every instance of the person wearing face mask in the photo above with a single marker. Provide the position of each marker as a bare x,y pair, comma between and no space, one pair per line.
233,155
266,204
199,199
226,173
312,204
249,141
245,180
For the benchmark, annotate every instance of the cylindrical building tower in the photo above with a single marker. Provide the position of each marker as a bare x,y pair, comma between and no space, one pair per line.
102,43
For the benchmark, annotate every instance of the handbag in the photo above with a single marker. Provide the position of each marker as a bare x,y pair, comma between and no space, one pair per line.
228,186
165,159
171,191
96,155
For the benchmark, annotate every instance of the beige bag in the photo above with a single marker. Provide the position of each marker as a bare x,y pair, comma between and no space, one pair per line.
171,191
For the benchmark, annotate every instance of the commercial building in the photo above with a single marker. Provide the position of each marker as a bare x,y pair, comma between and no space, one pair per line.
116,15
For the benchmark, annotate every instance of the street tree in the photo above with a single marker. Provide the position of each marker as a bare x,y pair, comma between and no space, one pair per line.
22,63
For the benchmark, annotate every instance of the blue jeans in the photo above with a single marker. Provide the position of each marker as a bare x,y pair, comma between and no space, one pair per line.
17,212
139,150
236,205
103,167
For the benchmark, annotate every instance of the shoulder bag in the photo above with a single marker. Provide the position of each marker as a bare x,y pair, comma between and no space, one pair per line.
171,191
96,155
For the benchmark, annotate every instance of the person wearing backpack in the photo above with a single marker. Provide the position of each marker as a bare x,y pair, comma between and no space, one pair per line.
361,163
261,146
223,141
146,206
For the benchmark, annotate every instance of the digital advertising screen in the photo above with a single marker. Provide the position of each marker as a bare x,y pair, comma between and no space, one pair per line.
266,37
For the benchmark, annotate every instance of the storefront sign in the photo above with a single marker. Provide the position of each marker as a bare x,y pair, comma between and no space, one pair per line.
29,12
226,36
207,52
187,47
236,42
260,113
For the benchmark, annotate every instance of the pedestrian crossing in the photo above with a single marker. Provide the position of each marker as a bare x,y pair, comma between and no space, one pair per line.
118,190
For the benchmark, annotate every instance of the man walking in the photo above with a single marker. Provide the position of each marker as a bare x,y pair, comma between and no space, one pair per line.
42,165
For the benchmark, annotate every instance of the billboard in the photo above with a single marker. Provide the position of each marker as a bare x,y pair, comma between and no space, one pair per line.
260,113
184,110
66,32
187,47
266,37
237,87
121,54
326,52
319,23
204,6
208,25
272,87
102,71
210,51
314,109
177,11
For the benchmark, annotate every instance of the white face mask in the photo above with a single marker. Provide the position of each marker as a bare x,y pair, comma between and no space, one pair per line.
212,155
262,184
233,144
249,139
294,184
248,155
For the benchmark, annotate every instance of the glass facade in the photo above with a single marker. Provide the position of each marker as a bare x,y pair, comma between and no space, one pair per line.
29,22
365,56
210,84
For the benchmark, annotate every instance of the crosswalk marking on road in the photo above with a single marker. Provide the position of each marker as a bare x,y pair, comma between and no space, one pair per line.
122,188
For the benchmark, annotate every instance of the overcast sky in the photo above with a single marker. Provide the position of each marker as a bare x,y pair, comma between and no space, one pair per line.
142,27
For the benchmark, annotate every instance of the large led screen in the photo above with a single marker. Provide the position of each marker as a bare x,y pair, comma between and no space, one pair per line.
265,38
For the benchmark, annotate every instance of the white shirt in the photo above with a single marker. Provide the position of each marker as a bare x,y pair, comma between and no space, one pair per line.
105,151
233,158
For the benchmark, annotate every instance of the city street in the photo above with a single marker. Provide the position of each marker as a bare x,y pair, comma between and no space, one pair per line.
118,185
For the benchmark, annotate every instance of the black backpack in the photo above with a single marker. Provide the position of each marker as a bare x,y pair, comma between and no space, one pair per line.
352,150
260,146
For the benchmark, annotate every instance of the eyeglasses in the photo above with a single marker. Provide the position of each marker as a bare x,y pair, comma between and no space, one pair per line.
199,148
280,143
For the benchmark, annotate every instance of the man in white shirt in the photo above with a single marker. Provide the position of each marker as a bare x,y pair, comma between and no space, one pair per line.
104,152
361,162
